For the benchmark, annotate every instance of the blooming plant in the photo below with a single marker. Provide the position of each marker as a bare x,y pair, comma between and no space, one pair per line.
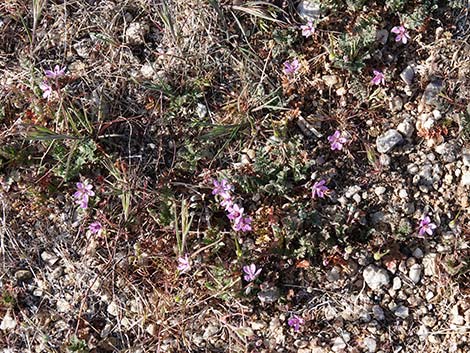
402,34
95,228
56,73
308,29
337,141
251,272
46,89
295,322
84,191
292,67
183,264
319,189
234,212
426,226
379,78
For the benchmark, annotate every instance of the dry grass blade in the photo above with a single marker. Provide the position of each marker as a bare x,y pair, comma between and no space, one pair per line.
257,9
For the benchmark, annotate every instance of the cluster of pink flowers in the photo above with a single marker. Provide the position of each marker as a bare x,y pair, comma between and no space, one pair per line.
83,193
290,68
234,212
337,140
295,322
319,189
379,78
308,30
45,85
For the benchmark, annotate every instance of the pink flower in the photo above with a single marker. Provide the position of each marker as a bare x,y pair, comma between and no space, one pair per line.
183,264
46,89
308,29
251,272
295,322
242,224
425,226
337,141
95,228
291,68
235,212
227,203
222,188
402,34
379,78
83,193
56,73
319,189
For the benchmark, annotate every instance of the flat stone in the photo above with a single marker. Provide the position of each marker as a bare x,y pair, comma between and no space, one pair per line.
378,312
396,104
406,128
432,91
396,283
376,277
23,275
8,322
418,253
466,178
381,36
407,75
269,295
388,140
371,344
401,311
309,10
415,273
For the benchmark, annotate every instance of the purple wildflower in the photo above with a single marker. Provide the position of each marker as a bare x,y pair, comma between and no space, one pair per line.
183,264
95,227
291,68
425,226
379,78
56,73
234,212
319,189
227,203
222,188
336,141
83,193
295,322
402,34
308,29
251,272
242,224
46,89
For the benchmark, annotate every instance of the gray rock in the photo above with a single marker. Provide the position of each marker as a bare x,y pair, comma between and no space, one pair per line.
432,91
429,321
407,75
371,344
379,190
401,311
396,104
309,10
418,253
376,277
466,178
269,295
388,140
385,160
415,273
448,151
382,36
466,157
378,312
430,264
330,80
23,275
396,283
406,128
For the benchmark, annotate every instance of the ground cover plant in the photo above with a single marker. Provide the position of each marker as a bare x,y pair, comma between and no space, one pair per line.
234,176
